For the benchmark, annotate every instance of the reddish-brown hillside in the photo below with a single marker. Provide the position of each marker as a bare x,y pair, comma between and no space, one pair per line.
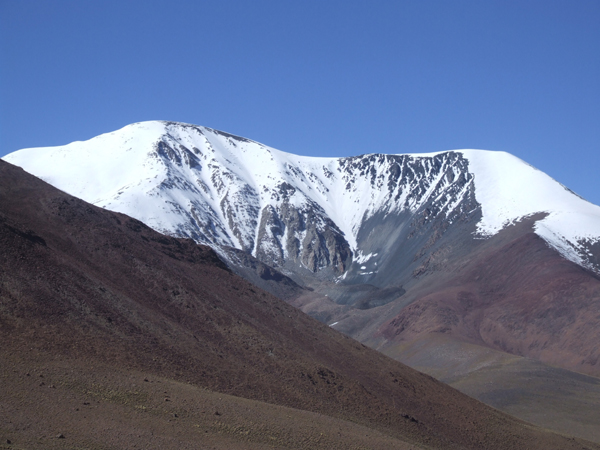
513,293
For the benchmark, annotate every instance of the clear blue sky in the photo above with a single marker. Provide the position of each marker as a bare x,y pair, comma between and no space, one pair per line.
326,78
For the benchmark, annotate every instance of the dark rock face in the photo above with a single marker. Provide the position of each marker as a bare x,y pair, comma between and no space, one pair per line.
424,196
302,238
409,199
427,197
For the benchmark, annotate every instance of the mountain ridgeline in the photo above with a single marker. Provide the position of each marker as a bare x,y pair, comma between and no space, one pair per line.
386,248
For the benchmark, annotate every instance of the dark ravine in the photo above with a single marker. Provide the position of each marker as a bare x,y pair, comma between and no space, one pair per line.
83,288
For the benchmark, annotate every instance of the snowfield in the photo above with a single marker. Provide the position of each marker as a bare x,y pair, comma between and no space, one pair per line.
217,188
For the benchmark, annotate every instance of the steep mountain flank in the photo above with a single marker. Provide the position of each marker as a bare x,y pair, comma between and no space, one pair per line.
512,293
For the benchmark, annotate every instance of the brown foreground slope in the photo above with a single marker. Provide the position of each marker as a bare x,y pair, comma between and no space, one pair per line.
93,304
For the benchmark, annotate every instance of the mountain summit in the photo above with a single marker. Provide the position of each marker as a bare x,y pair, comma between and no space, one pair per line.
306,212
475,245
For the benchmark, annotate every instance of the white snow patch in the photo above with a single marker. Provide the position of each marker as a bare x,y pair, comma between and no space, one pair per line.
509,189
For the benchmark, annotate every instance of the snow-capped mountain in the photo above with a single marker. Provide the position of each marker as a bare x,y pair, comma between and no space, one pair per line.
304,213
476,245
